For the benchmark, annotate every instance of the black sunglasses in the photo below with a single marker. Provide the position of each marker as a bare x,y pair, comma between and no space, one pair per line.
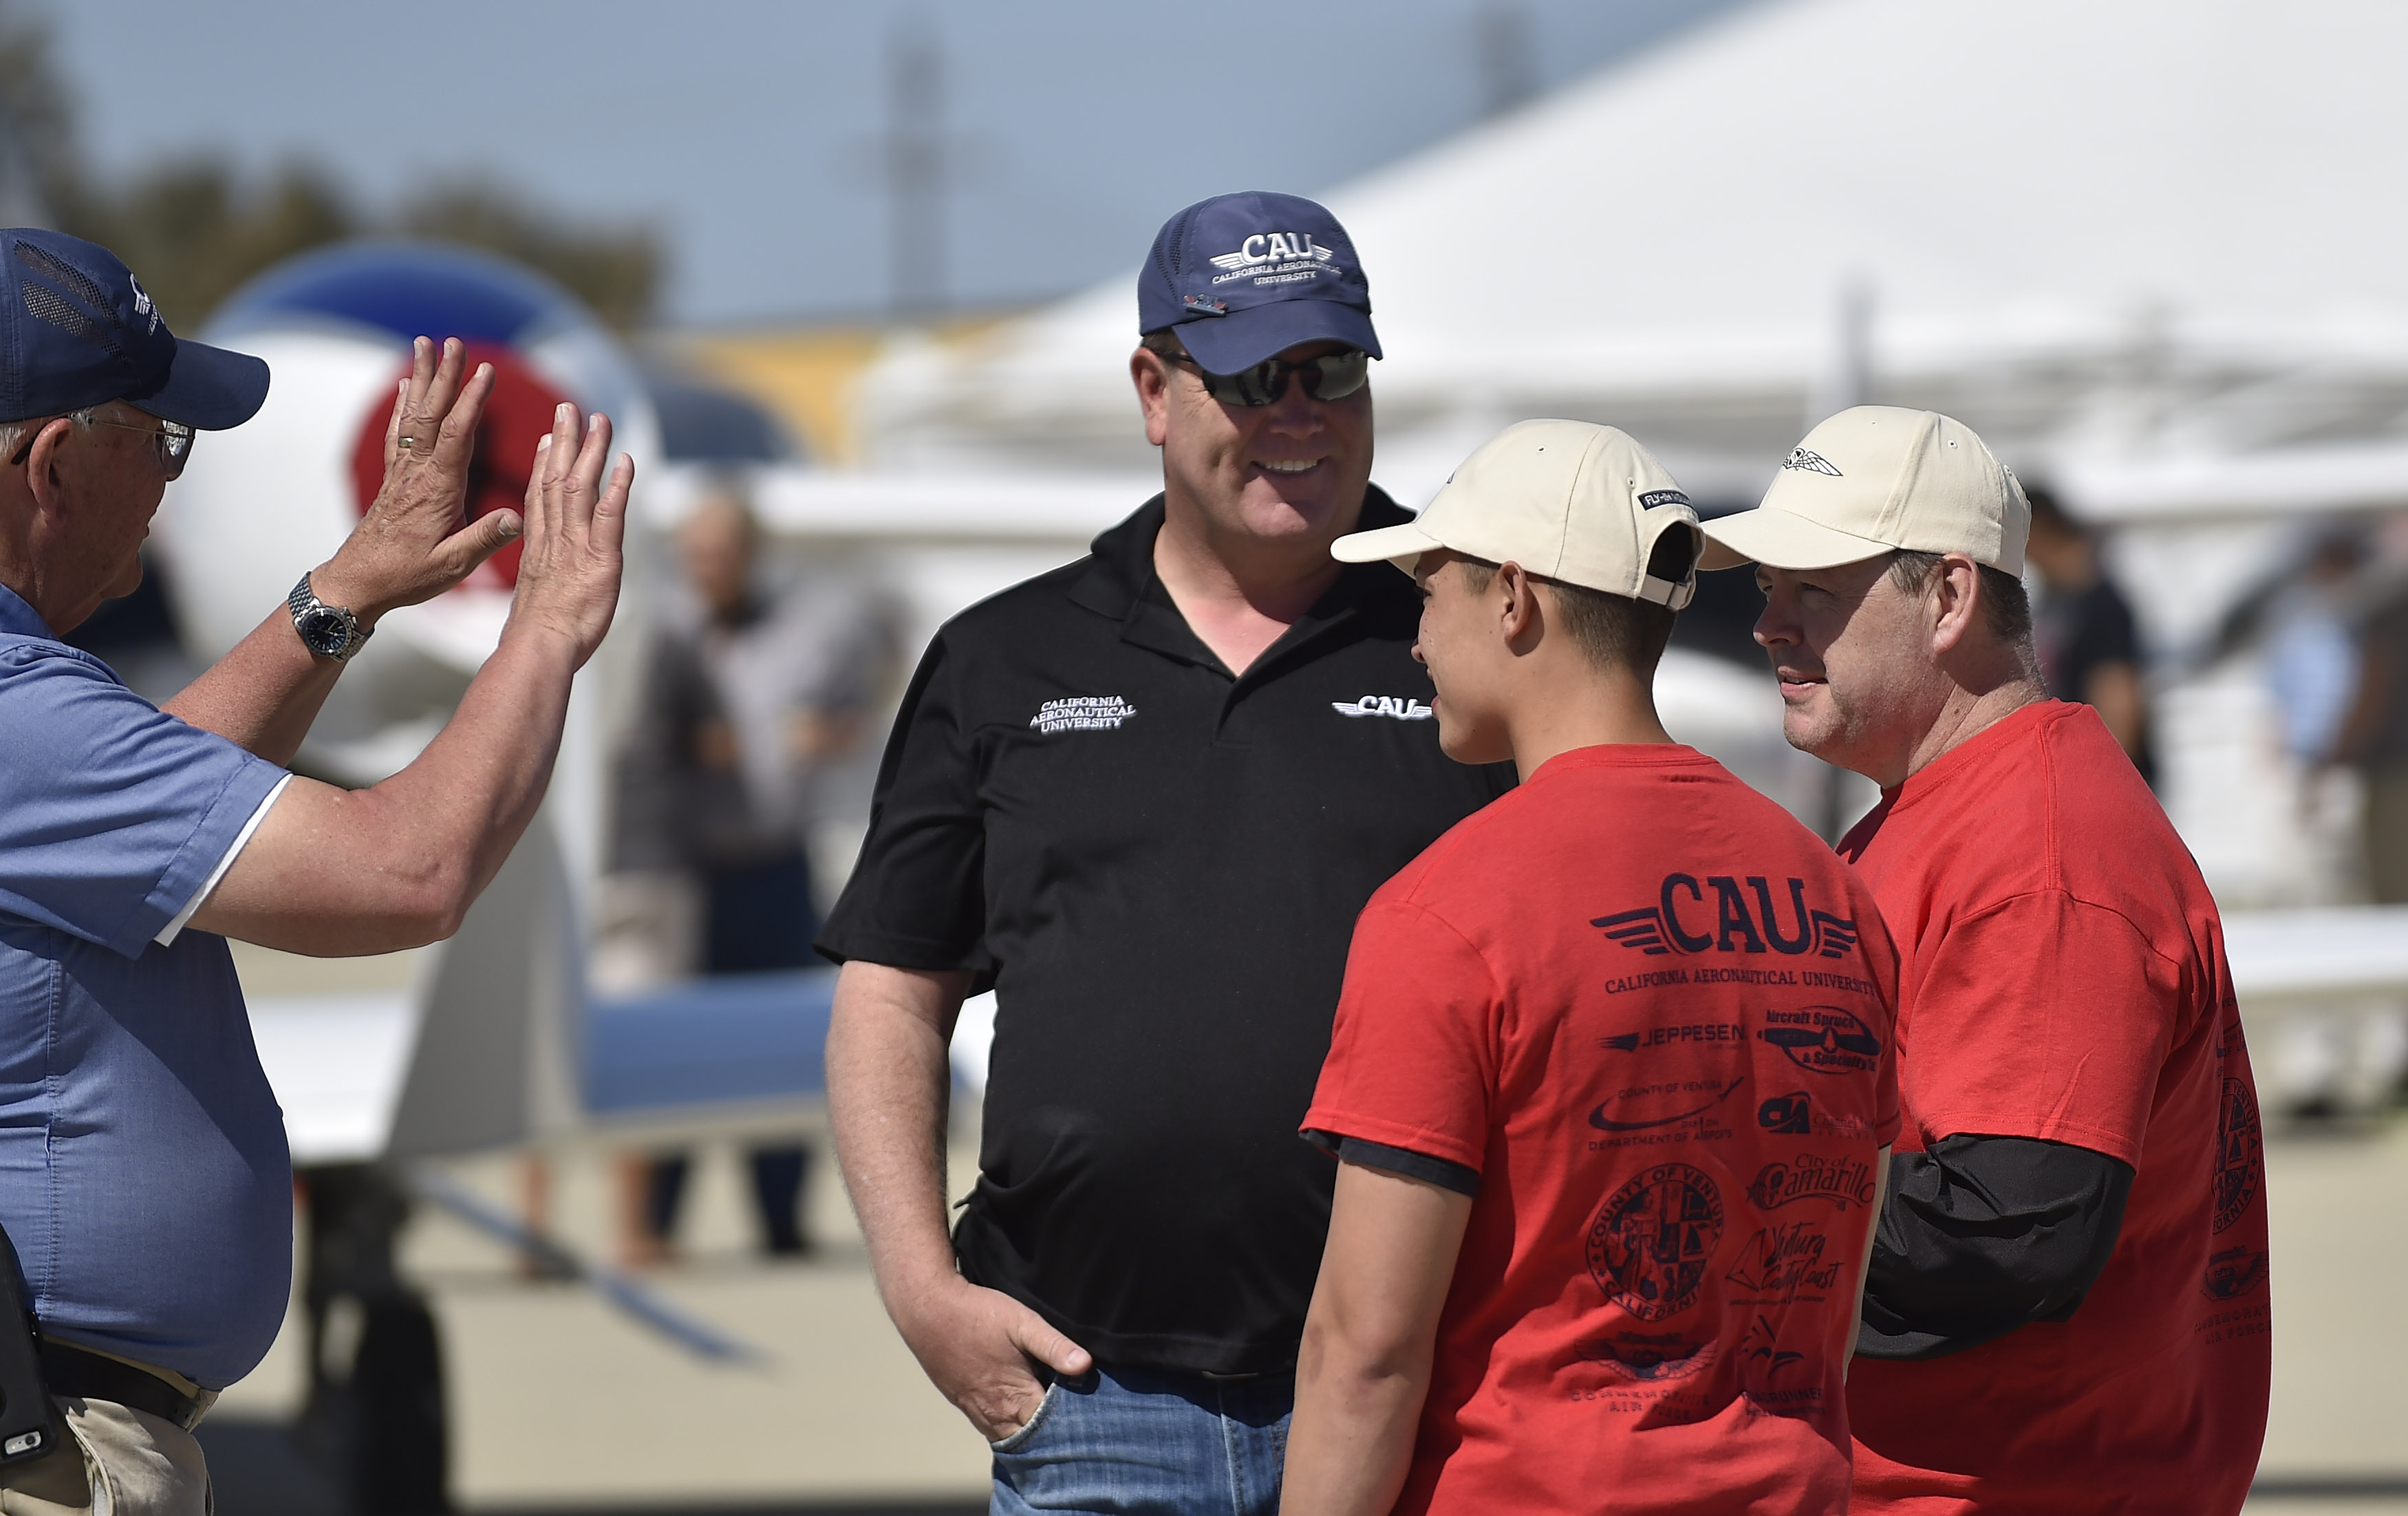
1331,376
172,441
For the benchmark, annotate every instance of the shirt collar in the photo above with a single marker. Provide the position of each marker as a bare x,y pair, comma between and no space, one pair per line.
17,619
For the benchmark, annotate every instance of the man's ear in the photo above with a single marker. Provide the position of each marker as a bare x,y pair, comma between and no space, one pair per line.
1151,374
1516,606
1953,601
45,462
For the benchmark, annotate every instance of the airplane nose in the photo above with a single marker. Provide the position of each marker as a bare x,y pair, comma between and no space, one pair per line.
517,414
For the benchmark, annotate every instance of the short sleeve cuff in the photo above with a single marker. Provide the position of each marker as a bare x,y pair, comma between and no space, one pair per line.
1444,1172
168,933
199,864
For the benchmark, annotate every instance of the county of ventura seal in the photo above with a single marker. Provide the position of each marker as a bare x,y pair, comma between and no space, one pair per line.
2240,1154
1651,1242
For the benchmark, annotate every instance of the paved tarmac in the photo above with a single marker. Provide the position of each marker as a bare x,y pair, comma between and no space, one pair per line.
560,1402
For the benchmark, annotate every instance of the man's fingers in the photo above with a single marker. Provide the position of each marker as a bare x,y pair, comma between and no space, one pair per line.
1031,1334
451,363
489,533
611,511
422,374
457,435
592,457
392,422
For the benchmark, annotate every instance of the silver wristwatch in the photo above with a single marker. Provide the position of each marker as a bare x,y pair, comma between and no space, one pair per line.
328,631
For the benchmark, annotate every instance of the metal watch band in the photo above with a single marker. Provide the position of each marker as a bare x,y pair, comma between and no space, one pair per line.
305,606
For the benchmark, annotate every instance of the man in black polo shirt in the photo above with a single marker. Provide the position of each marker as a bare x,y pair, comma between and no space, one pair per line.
1143,797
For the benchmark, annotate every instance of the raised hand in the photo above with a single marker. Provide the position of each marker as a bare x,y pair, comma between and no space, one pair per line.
414,542
575,528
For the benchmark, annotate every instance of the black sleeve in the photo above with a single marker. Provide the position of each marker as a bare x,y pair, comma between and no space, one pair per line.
917,898
1444,1173
1980,1235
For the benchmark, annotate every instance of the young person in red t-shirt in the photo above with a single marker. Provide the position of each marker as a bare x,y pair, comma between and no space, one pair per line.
2067,1310
1610,1084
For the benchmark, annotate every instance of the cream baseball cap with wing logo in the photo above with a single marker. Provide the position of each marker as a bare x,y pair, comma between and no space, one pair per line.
1877,477
1570,501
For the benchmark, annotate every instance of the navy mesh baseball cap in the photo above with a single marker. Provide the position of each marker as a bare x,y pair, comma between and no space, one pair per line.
76,330
1243,278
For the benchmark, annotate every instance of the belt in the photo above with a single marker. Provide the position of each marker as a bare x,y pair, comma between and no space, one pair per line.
77,1372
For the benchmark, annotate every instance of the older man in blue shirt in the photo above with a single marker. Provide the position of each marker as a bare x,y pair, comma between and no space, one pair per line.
144,1180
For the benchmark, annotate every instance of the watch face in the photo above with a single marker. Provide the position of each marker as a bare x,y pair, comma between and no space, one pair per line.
323,630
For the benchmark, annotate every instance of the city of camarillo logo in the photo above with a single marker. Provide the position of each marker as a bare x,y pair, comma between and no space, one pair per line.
1823,1039
1813,1177
1399,706
1081,713
1742,920
1272,258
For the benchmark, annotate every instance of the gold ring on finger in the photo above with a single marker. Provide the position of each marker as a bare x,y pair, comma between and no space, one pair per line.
407,443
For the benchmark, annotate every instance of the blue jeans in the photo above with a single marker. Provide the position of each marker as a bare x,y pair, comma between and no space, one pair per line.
1149,1442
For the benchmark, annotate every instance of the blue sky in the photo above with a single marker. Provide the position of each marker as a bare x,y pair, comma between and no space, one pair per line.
744,129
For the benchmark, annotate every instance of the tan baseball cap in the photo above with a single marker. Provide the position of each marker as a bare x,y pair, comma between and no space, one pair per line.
1877,477
1570,501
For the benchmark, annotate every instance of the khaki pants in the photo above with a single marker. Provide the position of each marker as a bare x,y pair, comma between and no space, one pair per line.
124,1462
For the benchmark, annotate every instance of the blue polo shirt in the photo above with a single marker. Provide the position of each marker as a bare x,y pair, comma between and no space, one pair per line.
143,1173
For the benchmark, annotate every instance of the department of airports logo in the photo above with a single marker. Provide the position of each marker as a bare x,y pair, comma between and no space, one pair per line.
1811,1176
1738,923
1401,708
1810,463
2241,1155
1651,1242
1272,258
1081,713
1823,1039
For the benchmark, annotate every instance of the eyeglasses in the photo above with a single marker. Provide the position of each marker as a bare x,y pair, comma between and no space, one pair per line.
1331,376
170,441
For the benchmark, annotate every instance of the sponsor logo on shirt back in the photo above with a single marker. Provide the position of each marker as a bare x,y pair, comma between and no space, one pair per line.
1397,707
1745,917
2240,1154
1795,1115
1823,1039
1811,1176
1780,1261
1653,1238
1081,713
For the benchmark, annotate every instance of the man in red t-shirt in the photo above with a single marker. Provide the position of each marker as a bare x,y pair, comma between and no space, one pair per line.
2066,1309
1611,1083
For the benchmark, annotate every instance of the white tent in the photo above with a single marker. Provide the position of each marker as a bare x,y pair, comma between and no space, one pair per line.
2117,237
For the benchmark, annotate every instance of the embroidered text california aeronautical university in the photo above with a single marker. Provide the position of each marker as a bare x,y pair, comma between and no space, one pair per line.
1082,713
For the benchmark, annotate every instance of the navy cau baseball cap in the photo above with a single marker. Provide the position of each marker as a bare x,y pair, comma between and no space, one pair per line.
1243,278
77,330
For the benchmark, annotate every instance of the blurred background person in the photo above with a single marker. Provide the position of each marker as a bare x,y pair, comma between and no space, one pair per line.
2374,738
2083,629
755,685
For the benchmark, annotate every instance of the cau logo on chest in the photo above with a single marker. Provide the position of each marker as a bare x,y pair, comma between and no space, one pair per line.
1730,913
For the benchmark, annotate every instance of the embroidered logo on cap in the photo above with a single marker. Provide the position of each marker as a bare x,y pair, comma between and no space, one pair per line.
1813,463
1273,258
